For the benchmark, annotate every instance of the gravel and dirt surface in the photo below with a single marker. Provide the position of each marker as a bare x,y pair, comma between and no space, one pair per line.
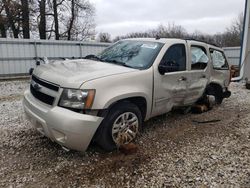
174,150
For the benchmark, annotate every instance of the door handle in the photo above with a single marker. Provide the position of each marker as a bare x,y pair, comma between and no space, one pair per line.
182,78
203,76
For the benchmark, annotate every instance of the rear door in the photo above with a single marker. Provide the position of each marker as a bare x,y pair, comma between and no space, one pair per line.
199,71
220,72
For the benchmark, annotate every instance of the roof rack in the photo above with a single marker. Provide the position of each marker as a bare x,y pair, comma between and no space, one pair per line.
201,41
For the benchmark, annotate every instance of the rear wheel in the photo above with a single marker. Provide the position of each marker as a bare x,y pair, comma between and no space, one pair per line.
121,126
217,92
248,85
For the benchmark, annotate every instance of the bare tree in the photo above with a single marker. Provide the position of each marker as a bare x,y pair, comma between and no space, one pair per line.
12,9
169,31
233,33
72,19
231,37
25,19
78,25
46,19
162,31
56,21
3,25
104,37
42,23
42,19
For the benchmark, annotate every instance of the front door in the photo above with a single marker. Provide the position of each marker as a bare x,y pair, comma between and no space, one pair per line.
171,85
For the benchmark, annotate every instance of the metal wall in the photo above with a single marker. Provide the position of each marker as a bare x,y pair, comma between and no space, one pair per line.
245,56
233,55
17,56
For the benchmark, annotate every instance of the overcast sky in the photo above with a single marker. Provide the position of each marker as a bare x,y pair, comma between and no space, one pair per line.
119,17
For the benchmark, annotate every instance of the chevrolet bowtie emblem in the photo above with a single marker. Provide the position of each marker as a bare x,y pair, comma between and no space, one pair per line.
36,86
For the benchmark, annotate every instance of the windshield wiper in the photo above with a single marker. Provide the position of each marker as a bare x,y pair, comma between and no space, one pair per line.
94,57
119,63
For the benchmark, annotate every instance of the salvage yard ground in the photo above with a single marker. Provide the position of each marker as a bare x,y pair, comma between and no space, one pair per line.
174,150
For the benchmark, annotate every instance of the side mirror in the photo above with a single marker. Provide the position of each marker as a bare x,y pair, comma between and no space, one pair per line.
31,71
162,69
170,66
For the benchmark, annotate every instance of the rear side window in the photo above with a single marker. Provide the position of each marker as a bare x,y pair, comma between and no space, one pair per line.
175,57
218,59
199,58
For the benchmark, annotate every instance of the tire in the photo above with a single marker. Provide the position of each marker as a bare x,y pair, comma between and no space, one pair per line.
248,85
216,91
114,130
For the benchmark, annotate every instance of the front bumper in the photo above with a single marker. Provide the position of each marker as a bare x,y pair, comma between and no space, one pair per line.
69,129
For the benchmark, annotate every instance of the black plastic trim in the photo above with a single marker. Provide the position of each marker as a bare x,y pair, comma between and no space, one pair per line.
45,84
41,96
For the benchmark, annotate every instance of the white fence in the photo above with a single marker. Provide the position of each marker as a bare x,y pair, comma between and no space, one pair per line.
17,56
233,55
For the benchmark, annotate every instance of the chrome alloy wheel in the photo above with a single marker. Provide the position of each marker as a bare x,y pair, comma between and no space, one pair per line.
125,128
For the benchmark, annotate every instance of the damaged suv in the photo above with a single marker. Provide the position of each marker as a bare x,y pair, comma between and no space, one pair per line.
106,98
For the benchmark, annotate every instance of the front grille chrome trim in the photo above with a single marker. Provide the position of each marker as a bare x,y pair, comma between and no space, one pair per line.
51,86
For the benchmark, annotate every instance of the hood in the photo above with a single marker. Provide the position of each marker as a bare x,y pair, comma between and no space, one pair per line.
73,73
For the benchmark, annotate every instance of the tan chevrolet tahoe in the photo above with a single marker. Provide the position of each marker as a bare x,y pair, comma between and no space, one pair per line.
106,98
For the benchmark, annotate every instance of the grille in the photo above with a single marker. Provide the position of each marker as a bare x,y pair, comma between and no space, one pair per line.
45,84
40,95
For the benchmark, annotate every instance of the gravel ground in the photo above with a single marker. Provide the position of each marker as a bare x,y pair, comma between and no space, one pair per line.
174,151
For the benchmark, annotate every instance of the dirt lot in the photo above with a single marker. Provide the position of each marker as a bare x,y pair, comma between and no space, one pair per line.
174,151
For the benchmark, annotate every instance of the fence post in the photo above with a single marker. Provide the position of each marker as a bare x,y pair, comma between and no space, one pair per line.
35,47
80,46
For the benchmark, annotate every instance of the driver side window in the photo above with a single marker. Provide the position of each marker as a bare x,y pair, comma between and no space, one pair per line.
175,58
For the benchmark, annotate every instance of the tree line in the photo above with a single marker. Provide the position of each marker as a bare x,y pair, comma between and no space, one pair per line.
230,37
47,19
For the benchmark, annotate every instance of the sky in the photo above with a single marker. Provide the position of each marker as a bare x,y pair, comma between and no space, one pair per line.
119,17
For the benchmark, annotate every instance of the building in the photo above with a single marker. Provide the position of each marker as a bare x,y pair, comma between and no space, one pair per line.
245,49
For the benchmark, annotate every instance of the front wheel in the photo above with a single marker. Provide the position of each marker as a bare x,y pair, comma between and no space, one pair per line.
120,126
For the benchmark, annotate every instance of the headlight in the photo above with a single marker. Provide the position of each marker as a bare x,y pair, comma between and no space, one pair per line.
77,99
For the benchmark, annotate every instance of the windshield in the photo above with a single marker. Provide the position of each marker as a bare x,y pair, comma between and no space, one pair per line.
135,54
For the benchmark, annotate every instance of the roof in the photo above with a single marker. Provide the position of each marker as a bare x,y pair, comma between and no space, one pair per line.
165,40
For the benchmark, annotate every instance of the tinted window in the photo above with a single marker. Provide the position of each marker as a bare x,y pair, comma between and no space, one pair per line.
199,58
175,58
135,54
218,59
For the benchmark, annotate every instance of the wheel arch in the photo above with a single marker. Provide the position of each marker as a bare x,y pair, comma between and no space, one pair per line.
215,86
216,90
139,101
